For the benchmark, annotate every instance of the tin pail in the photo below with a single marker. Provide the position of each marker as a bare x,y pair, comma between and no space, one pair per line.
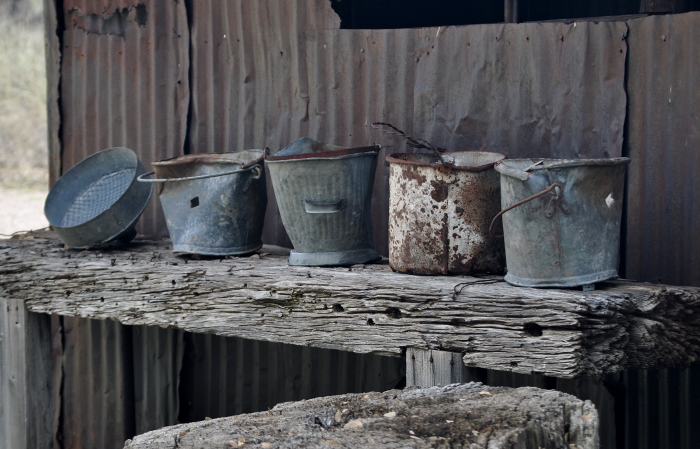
214,203
561,220
324,196
440,211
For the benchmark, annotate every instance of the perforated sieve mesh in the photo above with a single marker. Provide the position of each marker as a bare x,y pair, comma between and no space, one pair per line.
97,198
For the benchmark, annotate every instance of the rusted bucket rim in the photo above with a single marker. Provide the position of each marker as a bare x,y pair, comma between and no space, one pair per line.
482,160
307,148
542,163
522,168
245,158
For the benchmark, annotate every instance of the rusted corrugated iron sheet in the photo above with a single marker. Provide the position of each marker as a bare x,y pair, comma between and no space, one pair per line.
531,90
118,381
224,376
124,82
157,361
98,384
663,142
249,82
662,244
528,90
357,77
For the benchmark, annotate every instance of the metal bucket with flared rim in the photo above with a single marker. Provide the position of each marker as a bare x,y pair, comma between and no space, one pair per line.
439,214
98,200
324,195
561,220
214,203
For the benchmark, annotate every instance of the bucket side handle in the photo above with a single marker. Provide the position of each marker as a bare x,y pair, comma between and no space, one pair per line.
256,169
520,203
323,207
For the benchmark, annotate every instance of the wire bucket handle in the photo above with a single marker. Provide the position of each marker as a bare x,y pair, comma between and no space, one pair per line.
257,170
526,200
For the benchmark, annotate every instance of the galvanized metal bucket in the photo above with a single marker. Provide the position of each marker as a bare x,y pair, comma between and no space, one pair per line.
324,196
561,220
214,203
439,213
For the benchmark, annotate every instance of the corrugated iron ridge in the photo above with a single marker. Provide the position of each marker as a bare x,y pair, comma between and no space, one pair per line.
357,77
127,87
224,376
97,399
249,87
525,90
664,135
662,140
157,361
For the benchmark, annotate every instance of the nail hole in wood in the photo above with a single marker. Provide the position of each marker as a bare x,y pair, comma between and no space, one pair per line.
393,312
533,329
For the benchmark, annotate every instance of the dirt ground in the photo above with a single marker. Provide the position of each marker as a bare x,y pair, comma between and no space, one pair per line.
21,210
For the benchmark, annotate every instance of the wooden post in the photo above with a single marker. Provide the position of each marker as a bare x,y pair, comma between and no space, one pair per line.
25,377
428,367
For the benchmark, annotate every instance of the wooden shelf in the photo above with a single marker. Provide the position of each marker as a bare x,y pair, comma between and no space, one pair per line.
556,332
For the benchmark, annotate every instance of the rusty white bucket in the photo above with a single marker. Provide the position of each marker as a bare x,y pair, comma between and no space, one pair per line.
439,213
561,220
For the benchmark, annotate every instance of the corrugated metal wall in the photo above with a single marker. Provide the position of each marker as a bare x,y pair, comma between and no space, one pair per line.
120,381
249,81
663,218
225,376
265,73
124,82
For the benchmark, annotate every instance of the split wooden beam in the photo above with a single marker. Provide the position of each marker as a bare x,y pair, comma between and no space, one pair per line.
468,415
563,333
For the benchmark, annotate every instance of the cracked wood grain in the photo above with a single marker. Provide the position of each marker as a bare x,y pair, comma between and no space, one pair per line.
557,332
469,415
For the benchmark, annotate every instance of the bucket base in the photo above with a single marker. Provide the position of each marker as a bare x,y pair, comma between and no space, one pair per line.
204,251
573,281
333,258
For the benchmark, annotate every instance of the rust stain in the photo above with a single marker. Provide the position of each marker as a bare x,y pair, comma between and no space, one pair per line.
438,223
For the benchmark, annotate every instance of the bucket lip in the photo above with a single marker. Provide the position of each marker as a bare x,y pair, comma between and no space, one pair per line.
212,158
552,163
321,150
404,159
53,205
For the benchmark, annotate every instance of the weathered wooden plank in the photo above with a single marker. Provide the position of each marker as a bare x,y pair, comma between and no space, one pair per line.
25,377
467,415
556,332
429,367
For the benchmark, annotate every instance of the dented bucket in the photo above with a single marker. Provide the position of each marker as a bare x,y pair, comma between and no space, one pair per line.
561,220
324,194
440,211
214,203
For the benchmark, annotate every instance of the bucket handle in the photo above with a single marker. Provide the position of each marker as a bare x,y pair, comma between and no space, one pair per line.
520,203
255,168
323,207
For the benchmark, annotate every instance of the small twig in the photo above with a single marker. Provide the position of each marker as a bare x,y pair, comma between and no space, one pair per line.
25,232
413,142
